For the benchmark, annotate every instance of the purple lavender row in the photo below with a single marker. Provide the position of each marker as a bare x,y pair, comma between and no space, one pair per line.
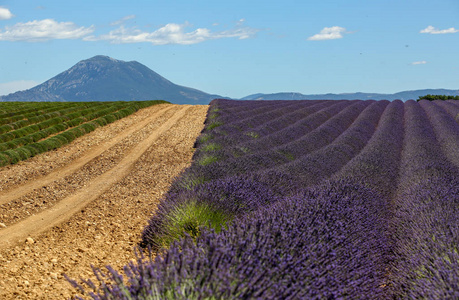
321,164
324,243
221,111
315,132
271,156
377,165
252,111
219,168
224,199
247,113
426,217
298,129
247,128
287,128
446,129
222,122
293,117
450,108
298,111
329,241
454,102
255,122
421,145
191,186
197,175
234,107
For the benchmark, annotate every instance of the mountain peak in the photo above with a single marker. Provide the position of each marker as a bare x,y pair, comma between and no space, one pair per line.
102,78
100,61
103,58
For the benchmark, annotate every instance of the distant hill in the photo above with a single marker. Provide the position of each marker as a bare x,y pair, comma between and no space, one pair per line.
405,95
102,78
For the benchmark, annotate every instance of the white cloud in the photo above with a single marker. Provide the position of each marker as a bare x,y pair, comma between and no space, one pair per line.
122,20
172,33
328,33
43,30
432,30
14,86
422,62
5,13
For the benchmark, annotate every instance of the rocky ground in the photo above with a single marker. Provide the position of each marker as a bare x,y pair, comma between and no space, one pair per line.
87,203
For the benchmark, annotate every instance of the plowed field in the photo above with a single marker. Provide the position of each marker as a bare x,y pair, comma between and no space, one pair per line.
87,203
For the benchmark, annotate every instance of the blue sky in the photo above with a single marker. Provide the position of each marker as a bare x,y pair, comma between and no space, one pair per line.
236,48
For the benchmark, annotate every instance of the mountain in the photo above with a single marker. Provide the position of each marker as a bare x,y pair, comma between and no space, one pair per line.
405,95
102,78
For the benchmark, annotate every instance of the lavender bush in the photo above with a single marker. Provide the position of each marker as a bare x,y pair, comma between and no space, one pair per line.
425,218
212,204
325,242
377,165
306,200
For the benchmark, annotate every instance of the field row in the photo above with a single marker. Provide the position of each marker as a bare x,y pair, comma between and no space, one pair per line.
310,200
30,128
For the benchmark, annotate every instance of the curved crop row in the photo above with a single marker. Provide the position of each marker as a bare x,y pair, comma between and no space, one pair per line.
377,165
65,130
274,132
243,110
314,245
285,148
245,113
247,130
31,109
38,116
426,219
337,199
323,163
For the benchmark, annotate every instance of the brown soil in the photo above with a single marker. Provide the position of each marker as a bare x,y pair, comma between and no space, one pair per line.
87,203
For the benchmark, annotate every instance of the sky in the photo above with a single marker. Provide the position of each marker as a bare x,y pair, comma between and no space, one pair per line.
240,47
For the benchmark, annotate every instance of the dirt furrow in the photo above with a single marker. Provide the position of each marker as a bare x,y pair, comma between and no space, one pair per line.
43,164
117,205
38,223
19,191
47,195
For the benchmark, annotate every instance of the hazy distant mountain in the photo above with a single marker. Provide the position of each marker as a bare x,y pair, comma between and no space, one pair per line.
102,78
405,95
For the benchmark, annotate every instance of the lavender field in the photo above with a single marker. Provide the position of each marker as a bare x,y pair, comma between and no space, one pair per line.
307,200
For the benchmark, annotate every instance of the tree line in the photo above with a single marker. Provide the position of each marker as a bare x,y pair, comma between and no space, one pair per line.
438,97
